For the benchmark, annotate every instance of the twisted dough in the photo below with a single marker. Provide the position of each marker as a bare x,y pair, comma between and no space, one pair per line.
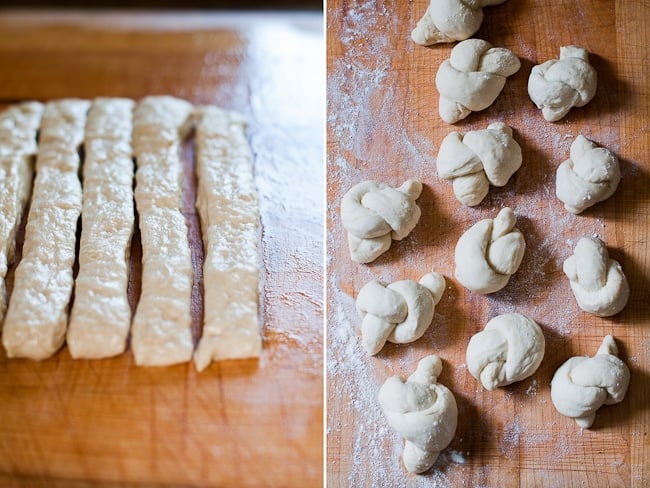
423,411
400,312
450,20
558,85
472,78
582,384
489,252
477,158
509,349
374,213
590,175
598,282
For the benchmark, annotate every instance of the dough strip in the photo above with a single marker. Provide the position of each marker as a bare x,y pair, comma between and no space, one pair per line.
161,333
37,317
227,206
101,315
18,127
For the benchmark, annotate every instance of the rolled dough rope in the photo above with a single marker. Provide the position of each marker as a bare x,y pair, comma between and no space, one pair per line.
38,311
18,126
101,315
227,205
161,333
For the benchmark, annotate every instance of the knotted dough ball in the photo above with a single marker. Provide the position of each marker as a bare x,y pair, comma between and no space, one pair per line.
598,282
478,158
374,213
582,384
472,78
450,20
400,312
590,175
560,84
489,252
509,349
423,411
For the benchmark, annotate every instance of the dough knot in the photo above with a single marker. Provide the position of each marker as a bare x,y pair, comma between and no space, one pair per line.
583,384
560,84
590,175
450,20
598,282
509,349
476,159
423,411
489,252
374,213
472,78
400,312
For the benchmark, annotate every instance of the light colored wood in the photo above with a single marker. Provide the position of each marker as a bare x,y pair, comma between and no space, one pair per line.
238,423
383,124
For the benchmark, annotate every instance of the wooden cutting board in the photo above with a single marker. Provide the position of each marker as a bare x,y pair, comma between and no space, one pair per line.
239,423
383,124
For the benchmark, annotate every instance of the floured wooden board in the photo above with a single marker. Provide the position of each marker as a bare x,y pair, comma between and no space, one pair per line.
251,423
383,124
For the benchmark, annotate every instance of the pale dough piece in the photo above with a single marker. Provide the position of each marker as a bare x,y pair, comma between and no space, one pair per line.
583,384
38,311
227,205
476,159
400,312
161,333
18,127
450,20
489,252
472,78
101,315
374,214
423,411
510,348
590,175
558,85
598,282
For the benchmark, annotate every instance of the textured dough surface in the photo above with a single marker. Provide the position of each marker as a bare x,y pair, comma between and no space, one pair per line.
228,209
37,317
101,315
18,127
161,332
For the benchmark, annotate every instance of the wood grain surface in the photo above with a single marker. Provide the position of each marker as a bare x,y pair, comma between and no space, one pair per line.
239,423
383,124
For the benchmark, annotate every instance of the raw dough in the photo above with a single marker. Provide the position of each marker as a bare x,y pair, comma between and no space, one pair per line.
423,411
558,85
489,252
101,315
582,384
374,213
227,205
589,176
161,333
38,311
400,312
18,126
450,20
509,349
476,159
598,282
472,78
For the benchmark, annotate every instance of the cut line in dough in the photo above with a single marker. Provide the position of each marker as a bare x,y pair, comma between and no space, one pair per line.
101,315
228,209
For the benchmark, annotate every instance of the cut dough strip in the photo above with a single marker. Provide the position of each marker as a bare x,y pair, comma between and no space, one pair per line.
161,333
101,315
227,206
18,127
38,312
